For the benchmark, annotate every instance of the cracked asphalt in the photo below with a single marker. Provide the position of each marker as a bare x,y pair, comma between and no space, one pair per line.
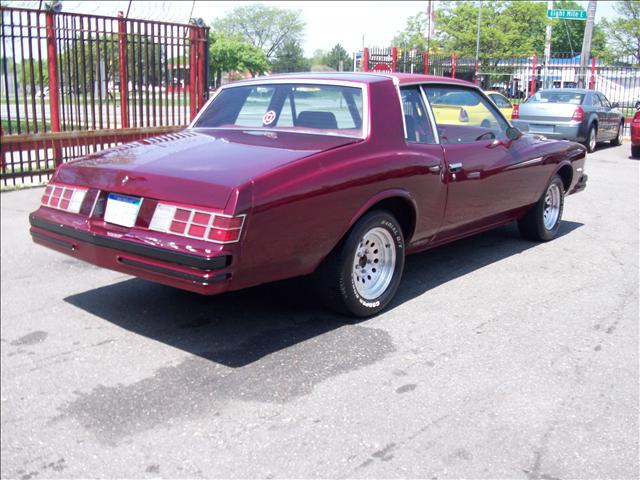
499,358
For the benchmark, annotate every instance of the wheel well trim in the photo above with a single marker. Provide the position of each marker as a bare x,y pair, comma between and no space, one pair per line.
562,165
382,196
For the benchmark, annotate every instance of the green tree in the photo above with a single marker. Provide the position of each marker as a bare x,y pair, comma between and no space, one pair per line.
233,54
412,37
262,26
290,58
624,32
336,55
567,35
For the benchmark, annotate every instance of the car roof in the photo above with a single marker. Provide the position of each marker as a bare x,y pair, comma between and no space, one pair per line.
361,77
494,91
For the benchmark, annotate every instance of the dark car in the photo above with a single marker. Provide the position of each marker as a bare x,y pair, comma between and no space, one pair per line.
584,116
336,175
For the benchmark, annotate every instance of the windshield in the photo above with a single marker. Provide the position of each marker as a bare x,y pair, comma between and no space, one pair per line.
305,108
550,96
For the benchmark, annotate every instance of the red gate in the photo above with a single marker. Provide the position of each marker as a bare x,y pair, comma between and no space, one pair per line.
74,84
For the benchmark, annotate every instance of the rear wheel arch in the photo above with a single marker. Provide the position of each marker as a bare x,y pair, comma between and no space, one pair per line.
399,203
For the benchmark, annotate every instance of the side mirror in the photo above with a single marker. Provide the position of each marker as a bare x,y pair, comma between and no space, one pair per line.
615,105
513,133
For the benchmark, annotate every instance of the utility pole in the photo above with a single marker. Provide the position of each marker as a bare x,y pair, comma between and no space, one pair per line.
478,41
586,42
547,48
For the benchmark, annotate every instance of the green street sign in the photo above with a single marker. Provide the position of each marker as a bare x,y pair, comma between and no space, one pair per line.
567,14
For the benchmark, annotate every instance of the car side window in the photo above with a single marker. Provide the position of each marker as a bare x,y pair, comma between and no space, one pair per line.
604,100
464,115
595,100
416,121
500,101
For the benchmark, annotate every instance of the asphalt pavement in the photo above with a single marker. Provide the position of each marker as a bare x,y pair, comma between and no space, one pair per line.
499,358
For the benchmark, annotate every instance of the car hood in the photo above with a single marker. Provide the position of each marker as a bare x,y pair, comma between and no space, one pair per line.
193,166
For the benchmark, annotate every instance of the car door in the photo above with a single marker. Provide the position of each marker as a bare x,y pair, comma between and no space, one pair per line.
421,144
611,118
488,177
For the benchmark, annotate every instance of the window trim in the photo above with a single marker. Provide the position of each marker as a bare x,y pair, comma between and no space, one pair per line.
427,109
364,87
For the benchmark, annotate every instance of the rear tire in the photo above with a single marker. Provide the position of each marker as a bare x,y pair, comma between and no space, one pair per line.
542,221
635,151
590,141
618,140
361,276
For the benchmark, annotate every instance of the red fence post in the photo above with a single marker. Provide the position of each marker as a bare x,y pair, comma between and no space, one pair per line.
365,60
592,80
394,59
54,88
202,58
124,82
426,63
193,65
453,65
533,75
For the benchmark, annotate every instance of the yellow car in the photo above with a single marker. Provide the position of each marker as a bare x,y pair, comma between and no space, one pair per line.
461,108
502,102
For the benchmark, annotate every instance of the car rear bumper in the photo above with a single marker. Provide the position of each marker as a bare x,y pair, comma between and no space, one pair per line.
204,275
560,131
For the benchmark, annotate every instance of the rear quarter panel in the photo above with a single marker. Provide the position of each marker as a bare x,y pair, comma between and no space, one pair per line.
301,211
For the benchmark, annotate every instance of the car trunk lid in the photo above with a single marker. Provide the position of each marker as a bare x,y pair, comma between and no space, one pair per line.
547,112
200,167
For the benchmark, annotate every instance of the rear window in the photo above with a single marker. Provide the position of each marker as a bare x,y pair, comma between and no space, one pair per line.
557,97
305,108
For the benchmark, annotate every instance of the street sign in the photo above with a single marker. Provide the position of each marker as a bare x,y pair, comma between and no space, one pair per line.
567,14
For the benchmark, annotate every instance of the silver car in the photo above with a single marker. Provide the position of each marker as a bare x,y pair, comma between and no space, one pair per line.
584,116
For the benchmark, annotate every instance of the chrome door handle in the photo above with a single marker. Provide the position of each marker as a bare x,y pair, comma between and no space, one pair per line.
455,167
434,168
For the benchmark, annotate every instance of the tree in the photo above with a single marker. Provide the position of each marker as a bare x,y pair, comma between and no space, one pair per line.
412,37
262,26
624,32
567,35
232,54
290,58
336,55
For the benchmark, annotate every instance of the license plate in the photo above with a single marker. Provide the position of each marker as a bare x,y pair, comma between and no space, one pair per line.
542,128
122,210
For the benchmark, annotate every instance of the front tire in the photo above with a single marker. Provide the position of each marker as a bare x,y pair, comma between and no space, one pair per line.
361,276
542,221
591,141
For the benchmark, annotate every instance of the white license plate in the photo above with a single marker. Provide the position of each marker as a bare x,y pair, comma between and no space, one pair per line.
542,128
122,209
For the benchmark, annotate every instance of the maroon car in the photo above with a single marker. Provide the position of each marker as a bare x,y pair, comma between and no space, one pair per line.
336,175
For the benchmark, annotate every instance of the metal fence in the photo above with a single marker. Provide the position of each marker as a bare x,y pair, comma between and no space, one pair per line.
72,84
519,77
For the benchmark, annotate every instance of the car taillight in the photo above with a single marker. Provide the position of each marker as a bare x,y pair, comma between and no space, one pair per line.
578,115
63,197
515,113
463,116
196,223
636,118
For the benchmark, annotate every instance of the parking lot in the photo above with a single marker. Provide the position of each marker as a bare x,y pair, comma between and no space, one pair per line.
499,358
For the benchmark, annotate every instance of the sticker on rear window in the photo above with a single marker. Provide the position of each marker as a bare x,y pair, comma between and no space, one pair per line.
269,117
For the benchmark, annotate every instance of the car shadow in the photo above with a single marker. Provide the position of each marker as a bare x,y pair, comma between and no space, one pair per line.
238,328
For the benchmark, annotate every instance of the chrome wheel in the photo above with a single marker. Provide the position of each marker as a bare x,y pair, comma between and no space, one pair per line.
374,263
592,139
552,204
